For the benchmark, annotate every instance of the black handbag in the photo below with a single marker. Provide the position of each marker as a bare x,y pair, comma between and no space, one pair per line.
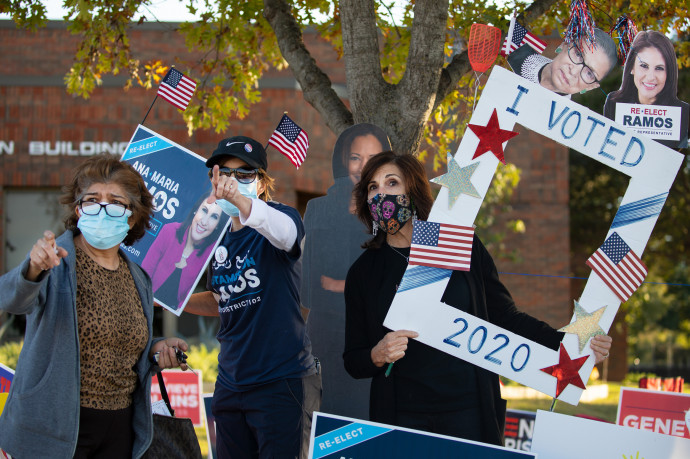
172,437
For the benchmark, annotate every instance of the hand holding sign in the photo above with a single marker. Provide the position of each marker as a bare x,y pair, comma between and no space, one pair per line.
392,347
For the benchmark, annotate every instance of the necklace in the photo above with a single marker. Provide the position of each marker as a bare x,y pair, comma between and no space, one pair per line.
407,258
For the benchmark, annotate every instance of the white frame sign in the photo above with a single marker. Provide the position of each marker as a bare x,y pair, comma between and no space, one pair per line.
652,169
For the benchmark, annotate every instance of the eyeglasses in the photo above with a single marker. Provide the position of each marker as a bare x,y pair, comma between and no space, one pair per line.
577,58
111,209
242,175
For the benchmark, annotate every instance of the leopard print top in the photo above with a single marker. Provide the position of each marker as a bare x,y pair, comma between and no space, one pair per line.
112,333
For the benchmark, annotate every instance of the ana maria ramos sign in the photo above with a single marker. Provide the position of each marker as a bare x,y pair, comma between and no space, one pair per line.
61,148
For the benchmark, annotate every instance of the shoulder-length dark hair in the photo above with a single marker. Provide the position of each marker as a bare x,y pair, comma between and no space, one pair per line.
341,151
628,90
187,222
416,184
106,168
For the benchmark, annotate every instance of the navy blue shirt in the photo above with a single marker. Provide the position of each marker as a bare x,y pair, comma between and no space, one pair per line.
262,333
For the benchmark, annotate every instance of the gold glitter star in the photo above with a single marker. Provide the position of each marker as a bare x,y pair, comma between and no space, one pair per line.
586,325
457,180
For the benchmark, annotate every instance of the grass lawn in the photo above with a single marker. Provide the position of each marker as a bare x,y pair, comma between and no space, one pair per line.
604,408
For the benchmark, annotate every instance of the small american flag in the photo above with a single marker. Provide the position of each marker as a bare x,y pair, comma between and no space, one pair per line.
522,36
290,140
177,88
441,245
618,266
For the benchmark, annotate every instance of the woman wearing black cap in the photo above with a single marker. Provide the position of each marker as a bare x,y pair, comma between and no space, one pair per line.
268,384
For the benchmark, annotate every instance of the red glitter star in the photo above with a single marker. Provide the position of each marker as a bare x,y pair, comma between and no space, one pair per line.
491,137
566,372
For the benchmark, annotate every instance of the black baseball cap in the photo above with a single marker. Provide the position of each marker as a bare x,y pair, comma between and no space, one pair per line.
245,148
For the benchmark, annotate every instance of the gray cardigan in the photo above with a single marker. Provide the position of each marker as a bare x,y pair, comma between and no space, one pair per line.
41,415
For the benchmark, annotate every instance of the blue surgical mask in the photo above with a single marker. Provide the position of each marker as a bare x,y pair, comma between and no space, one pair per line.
103,231
247,190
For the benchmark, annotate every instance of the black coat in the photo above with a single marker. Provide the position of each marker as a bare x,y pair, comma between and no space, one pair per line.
370,287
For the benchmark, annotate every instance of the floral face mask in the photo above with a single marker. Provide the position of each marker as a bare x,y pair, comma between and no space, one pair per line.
390,211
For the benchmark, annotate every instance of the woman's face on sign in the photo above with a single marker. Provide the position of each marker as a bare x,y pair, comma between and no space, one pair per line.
205,220
649,74
570,65
362,148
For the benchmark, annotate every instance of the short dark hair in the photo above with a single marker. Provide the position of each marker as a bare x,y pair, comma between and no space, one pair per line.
106,168
416,183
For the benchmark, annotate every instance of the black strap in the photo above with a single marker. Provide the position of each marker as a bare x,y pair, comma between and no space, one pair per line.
164,393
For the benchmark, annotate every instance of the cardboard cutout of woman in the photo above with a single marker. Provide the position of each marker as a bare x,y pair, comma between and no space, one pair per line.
333,241
647,100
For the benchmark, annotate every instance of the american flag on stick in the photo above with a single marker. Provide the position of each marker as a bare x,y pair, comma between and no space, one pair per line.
290,140
177,88
518,36
441,245
618,266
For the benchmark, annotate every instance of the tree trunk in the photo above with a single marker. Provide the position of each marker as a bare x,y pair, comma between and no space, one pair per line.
403,109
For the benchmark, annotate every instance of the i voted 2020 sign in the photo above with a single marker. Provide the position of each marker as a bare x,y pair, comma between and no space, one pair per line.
507,100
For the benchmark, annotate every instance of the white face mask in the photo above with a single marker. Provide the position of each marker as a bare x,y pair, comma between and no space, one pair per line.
247,190
103,231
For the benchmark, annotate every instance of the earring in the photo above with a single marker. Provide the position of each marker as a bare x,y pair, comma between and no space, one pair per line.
582,91
558,50
375,228
414,216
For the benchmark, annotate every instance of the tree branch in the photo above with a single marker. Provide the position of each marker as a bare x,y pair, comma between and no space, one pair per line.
416,93
460,64
316,85
361,54
537,9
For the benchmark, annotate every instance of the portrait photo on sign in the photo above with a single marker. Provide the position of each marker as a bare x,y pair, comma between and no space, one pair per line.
575,69
647,101
185,227
333,241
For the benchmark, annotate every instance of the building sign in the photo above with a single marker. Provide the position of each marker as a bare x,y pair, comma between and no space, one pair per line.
62,148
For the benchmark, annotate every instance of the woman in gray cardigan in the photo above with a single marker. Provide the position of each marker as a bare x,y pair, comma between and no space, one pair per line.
82,383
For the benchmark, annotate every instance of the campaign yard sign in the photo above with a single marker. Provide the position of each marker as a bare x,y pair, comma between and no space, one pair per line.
210,426
654,121
519,429
559,436
336,437
184,392
661,412
185,229
6,376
